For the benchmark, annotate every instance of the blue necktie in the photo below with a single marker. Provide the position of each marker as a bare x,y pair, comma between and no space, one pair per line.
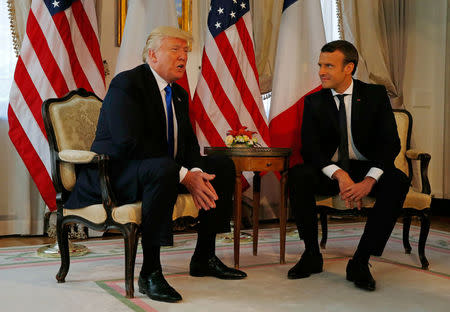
170,136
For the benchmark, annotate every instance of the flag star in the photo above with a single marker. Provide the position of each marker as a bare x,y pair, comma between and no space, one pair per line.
55,4
233,14
217,25
234,1
220,10
243,5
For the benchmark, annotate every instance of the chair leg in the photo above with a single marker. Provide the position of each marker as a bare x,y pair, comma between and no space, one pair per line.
424,230
131,238
406,227
63,245
324,225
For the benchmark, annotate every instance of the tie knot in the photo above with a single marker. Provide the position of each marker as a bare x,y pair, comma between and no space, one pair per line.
340,97
168,89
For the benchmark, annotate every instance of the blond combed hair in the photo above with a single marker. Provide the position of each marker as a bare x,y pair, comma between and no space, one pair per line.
157,35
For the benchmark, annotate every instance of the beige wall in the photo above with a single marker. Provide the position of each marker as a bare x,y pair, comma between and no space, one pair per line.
424,87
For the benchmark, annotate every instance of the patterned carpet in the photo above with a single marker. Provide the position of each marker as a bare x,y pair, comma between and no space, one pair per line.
95,281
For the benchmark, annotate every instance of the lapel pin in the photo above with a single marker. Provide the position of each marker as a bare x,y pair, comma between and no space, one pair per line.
179,100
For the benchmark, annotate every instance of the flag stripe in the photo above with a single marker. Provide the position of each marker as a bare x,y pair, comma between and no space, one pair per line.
30,126
28,89
206,125
247,44
31,160
220,97
40,46
64,29
89,35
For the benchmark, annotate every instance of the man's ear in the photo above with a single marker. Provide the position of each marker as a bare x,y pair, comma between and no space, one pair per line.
152,58
349,68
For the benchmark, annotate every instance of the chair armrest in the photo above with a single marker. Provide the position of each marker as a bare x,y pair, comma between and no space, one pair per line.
424,159
78,156
416,154
87,157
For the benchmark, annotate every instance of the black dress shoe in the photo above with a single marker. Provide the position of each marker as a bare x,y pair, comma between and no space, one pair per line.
214,267
156,287
359,273
307,265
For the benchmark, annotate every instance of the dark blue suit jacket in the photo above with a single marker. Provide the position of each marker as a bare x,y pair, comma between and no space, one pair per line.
132,127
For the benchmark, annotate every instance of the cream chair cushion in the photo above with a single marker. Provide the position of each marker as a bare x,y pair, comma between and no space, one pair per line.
131,213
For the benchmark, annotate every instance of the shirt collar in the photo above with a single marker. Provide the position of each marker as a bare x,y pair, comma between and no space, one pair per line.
160,81
349,90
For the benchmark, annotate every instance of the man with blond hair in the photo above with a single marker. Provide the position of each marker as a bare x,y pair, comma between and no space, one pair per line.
144,127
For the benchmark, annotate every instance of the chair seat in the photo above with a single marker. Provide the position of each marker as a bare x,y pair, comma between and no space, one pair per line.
131,213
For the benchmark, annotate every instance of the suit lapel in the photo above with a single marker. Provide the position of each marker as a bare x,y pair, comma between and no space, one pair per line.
154,105
356,105
331,108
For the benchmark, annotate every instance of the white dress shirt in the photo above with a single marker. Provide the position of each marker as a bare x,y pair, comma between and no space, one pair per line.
353,153
161,85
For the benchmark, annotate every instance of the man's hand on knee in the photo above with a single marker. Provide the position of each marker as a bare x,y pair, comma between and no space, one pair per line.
344,182
203,193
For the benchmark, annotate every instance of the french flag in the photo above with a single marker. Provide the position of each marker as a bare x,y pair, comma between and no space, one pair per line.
300,38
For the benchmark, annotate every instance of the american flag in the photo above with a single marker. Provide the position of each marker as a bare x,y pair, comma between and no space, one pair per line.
227,94
60,52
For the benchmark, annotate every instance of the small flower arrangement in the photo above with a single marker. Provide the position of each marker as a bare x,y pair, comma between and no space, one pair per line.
241,137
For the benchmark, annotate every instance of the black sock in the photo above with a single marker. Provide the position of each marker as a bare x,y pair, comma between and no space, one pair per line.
311,243
151,261
206,246
361,256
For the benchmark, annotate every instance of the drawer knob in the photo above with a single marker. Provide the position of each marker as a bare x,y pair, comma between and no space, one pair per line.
269,164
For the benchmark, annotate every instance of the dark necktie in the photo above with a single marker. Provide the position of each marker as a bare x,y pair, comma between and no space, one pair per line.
170,136
343,142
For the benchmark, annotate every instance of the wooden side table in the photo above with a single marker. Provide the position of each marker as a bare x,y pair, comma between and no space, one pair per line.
256,159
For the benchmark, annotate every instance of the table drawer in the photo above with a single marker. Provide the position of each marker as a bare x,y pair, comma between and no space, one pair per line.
259,163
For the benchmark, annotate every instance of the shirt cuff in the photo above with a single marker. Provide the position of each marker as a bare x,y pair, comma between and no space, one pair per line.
375,173
184,171
330,170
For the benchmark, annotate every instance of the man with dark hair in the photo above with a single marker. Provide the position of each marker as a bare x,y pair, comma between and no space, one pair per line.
349,143
144,127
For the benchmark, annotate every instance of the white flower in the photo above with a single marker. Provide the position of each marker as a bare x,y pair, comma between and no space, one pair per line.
239,139
229,140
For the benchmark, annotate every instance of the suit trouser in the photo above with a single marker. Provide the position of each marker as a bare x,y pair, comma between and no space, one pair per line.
159,181
305,181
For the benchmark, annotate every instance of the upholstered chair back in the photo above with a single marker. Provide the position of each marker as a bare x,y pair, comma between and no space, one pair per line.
403,124
74,121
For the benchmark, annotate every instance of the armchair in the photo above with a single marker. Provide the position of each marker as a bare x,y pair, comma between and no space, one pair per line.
70,123
417,203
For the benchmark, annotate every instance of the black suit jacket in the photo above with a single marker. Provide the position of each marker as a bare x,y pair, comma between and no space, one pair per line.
373,126
132,122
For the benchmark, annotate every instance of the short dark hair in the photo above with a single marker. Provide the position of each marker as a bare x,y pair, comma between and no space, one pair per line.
348,49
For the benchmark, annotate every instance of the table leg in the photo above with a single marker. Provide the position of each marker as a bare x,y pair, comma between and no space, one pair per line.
256,198
237,217
283,213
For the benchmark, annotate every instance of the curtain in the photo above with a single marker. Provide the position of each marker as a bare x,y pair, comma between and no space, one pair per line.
378,30
21,208
266,15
